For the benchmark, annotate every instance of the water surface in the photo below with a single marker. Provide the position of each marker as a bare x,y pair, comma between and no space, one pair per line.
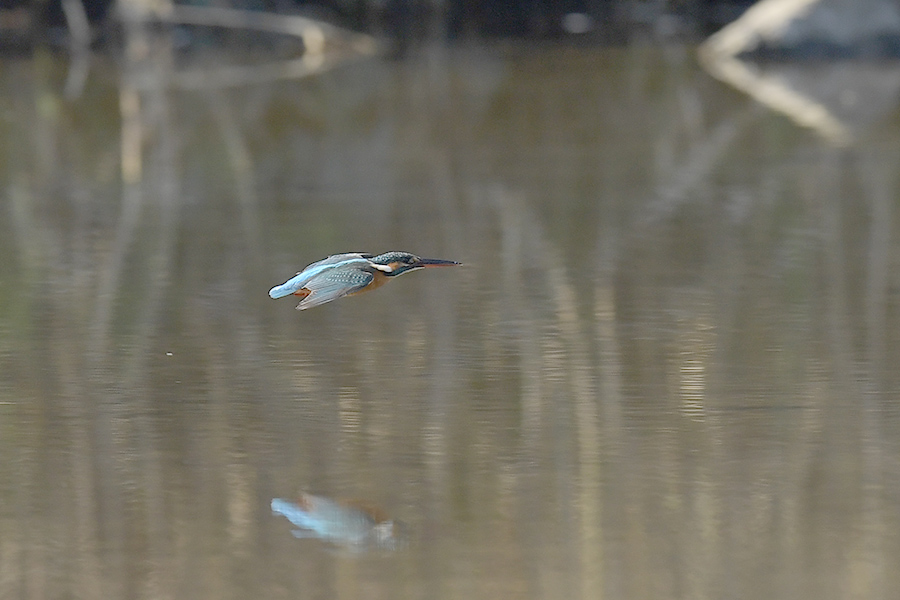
667,370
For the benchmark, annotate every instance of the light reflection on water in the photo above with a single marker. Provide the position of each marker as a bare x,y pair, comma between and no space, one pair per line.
667,369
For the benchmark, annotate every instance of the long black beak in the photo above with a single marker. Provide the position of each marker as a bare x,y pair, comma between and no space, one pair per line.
436,262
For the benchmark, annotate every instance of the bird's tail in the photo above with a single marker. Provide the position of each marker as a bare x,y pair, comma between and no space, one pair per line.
280,291
289,287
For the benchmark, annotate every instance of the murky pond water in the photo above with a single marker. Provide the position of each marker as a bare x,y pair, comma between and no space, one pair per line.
668,368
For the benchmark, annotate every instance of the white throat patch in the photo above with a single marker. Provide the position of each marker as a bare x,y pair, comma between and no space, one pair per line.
384,268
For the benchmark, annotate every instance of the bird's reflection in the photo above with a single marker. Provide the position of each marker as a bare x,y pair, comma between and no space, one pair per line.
342,523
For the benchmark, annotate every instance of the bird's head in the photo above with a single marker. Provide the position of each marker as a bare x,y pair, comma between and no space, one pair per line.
397,263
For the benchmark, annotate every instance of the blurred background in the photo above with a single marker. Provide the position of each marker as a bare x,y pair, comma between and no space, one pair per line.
668,368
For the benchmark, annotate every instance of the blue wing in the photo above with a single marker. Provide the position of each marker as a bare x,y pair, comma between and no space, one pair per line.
301,279
332,284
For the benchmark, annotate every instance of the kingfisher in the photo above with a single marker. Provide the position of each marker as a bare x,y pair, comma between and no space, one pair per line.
348,274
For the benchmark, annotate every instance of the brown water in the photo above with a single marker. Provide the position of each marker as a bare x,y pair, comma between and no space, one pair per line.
667,370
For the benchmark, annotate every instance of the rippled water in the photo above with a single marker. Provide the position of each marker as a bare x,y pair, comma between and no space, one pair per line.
668,368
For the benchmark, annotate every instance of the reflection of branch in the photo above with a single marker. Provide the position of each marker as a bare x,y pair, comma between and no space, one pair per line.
609,352
880,186
222,77
80,40
77,22
316,35
773,92
132,201
312,32
577,375
767,20
694,170
242,168
880,181
78,72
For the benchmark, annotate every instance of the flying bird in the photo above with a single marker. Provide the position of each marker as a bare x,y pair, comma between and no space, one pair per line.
348,274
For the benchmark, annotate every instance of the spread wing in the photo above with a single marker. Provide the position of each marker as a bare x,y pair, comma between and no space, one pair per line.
332,284
301,279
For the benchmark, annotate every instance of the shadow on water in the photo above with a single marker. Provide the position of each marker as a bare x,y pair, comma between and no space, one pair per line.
668,369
